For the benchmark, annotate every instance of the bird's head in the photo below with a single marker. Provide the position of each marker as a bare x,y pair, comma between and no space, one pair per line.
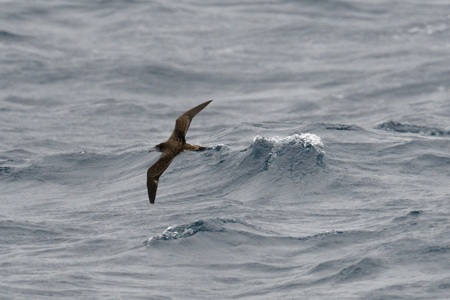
157,148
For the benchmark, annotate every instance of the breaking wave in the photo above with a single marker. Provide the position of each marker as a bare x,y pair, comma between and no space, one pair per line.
295,154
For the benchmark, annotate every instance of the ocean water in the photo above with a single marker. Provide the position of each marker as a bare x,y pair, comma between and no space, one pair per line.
327,170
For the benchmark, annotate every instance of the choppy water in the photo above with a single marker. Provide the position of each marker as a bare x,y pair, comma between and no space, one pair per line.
327,170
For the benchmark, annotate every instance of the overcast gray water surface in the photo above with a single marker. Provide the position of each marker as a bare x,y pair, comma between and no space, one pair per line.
327,169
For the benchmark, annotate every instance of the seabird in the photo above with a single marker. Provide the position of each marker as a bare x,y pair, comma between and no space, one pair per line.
171,148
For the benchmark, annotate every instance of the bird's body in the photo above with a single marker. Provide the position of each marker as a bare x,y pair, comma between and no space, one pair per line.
171,148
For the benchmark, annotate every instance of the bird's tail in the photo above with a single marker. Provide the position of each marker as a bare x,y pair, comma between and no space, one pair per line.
189,147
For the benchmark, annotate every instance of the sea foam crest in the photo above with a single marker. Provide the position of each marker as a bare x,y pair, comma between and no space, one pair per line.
217,147
278,144
180,231
212,225
189,229
305,139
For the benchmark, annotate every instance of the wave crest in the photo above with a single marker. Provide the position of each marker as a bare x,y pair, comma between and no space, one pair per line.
411,128
288,153
185,230
278,144
208,225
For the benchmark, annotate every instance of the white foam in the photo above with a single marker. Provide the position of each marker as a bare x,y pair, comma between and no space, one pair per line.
278,144
305,139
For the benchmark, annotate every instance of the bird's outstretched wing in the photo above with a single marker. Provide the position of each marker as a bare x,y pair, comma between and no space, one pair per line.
154,172
184,121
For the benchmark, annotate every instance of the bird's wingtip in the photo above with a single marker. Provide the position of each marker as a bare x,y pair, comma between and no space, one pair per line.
152,185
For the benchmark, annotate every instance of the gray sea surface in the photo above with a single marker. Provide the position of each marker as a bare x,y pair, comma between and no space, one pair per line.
327,169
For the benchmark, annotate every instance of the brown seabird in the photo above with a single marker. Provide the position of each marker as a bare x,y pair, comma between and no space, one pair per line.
171,148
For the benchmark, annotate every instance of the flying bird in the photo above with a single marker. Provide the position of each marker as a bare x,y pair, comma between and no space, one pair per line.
171,148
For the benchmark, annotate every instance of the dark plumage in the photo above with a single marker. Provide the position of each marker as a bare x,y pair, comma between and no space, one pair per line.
171,148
